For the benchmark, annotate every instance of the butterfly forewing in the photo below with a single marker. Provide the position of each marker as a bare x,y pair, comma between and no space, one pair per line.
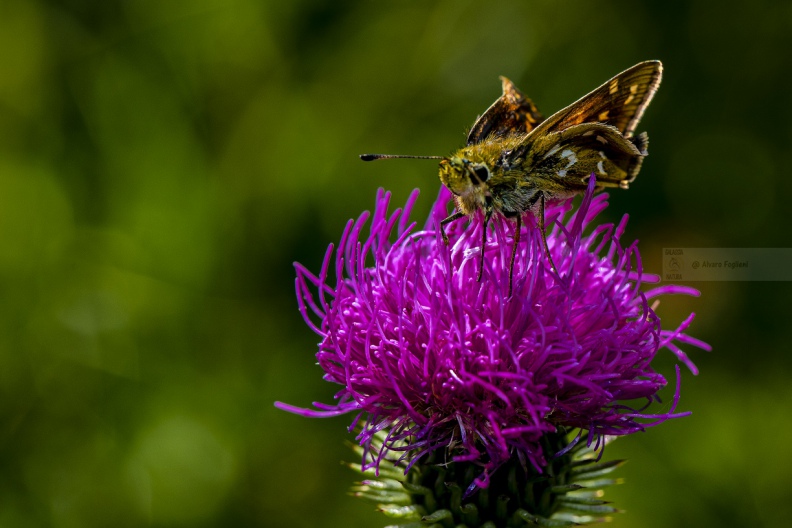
511,114
620,102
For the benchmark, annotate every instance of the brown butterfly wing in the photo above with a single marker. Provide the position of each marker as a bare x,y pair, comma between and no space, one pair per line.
513,113
620,102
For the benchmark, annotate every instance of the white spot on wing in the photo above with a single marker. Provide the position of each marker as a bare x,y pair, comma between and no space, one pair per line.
552,151
602,140
600,168
571,155
587,134
602,155
562,173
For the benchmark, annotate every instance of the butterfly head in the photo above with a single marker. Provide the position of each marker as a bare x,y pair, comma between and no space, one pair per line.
461,176
467,181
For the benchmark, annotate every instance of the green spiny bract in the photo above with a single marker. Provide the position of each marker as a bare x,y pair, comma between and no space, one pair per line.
566,493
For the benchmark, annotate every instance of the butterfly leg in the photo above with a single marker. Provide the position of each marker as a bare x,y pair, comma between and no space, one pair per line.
541,220
487,217
514,251
448,220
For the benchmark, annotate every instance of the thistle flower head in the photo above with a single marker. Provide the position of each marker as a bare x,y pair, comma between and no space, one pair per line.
434,361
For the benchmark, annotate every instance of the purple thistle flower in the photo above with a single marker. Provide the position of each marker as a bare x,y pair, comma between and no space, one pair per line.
438,361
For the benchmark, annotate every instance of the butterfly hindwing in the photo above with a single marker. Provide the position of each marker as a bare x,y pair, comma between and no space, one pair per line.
569,157
620,102
511,114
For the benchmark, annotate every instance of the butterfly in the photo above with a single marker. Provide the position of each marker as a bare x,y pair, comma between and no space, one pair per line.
515,161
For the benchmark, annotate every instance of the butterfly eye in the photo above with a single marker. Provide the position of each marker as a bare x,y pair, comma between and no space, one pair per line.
479,174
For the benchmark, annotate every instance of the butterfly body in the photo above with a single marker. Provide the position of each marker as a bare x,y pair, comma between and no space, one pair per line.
508,175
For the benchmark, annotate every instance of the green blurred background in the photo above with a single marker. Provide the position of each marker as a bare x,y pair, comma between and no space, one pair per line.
162,163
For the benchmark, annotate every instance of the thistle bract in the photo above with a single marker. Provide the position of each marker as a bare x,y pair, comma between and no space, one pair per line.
433,362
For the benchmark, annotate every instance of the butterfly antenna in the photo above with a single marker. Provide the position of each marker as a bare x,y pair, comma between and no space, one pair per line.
372,157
